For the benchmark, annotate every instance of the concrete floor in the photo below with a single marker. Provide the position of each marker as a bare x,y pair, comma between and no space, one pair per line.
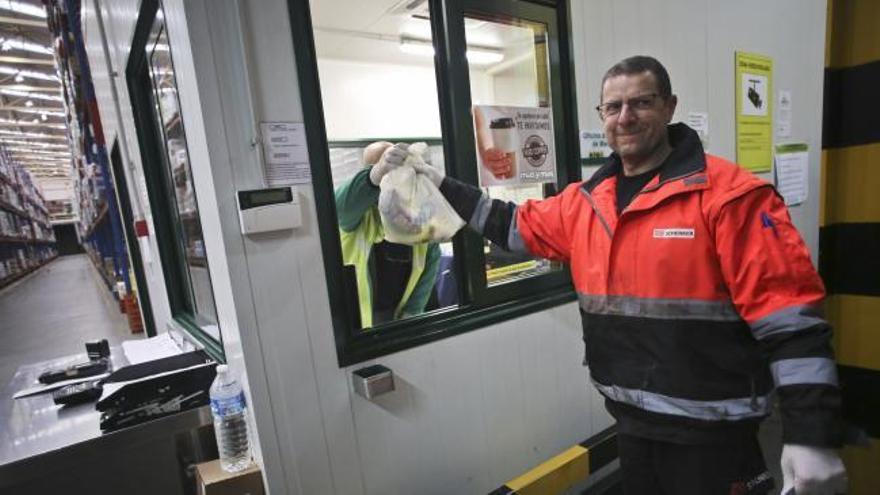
54,311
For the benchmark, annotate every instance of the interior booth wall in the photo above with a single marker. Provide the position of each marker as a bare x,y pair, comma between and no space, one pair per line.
116,23
696,41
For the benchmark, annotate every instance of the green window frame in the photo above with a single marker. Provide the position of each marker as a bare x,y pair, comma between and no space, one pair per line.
160,180
481,305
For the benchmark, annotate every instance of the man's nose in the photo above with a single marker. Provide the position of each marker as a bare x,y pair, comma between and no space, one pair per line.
626,114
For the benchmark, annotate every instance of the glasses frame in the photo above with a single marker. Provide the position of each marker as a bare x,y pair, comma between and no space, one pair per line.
601,108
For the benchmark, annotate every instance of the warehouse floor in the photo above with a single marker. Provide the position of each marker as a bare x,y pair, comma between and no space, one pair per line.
54,311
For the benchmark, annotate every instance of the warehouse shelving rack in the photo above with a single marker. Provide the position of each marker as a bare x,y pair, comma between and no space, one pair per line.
100,228
27,240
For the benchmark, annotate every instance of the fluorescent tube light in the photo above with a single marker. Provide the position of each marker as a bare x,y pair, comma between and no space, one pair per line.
23,8
478,56
28,94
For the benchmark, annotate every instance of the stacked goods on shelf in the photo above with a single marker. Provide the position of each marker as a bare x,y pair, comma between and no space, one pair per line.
26,237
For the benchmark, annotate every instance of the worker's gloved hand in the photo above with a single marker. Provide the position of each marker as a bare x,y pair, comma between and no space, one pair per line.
430,172
812,471
393,157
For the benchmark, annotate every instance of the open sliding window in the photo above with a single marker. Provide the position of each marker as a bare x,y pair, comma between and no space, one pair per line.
481,85
165,157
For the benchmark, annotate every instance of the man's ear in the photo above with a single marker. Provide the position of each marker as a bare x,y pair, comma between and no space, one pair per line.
670,104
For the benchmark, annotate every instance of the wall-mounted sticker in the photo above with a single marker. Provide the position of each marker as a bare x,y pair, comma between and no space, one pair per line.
514,145
754,116
783,114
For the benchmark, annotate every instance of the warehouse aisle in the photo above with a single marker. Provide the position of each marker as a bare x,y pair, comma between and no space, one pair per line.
53,312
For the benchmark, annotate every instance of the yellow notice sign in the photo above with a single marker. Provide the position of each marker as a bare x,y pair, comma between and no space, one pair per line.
754,115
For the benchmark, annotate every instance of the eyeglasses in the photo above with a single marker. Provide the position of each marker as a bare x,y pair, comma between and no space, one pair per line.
639,104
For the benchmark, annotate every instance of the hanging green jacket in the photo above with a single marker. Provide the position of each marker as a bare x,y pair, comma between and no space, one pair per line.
360,229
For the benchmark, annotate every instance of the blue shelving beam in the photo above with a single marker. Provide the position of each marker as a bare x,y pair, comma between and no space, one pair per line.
106,237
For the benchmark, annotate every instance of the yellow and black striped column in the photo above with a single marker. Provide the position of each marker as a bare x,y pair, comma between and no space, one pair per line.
849,245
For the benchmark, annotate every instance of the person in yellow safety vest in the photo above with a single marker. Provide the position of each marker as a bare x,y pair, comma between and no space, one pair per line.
393,280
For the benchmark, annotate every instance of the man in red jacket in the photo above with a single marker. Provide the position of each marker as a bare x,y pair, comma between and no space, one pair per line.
698,298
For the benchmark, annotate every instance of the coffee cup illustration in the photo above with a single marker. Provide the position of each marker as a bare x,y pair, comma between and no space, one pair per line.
504,137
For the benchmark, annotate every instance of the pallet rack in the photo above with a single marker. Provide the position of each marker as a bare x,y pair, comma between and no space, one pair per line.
99,227
27,241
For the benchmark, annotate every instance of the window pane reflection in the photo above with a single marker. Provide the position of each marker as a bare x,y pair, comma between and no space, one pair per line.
184,205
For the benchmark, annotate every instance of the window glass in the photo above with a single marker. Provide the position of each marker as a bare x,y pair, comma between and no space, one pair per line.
517,77
191,246
378,85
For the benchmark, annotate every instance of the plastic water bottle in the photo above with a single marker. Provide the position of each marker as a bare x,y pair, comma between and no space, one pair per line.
230,421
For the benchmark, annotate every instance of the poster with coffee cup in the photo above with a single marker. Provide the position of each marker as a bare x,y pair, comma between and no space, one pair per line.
514,145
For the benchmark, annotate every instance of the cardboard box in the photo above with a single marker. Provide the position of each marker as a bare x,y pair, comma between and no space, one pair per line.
212,480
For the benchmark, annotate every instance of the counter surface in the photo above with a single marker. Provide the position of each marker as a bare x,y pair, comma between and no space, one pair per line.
37,436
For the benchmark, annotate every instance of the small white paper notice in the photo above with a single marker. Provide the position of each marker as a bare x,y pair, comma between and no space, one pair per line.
791,172
286,154
699,121
594,145
783,114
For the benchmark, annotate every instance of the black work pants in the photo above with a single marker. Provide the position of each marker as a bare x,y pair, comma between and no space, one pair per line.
650,467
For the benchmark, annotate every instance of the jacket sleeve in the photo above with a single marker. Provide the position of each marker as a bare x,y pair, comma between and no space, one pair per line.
354,199
536,227
777,291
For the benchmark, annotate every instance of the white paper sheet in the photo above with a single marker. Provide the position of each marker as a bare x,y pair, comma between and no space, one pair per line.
143,350
791,171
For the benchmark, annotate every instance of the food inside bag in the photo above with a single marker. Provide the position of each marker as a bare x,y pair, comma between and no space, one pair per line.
411,207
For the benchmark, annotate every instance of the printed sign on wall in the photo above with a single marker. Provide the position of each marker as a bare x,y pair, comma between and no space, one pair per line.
514,145
754,123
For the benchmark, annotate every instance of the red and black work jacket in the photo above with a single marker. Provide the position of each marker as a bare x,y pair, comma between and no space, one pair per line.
697,300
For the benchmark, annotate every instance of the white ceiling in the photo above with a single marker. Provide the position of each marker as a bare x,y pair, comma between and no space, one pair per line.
28,123
370,31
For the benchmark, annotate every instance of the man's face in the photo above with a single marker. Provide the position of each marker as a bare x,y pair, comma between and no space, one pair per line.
639,126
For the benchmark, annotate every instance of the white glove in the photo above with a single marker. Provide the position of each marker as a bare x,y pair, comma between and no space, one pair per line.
812,471
392,158
430,172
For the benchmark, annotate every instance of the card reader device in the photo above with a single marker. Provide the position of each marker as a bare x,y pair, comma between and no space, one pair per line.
268,210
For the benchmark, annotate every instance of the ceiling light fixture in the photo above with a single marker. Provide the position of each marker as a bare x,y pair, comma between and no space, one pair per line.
475,55
28,94
23,8
31,74
13,44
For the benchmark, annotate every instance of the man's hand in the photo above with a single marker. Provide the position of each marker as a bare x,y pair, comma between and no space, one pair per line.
430,172
392,158
812,471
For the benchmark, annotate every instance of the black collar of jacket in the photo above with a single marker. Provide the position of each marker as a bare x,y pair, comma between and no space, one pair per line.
686,158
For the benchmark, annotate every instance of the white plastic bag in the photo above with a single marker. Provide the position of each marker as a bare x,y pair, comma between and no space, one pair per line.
411,207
